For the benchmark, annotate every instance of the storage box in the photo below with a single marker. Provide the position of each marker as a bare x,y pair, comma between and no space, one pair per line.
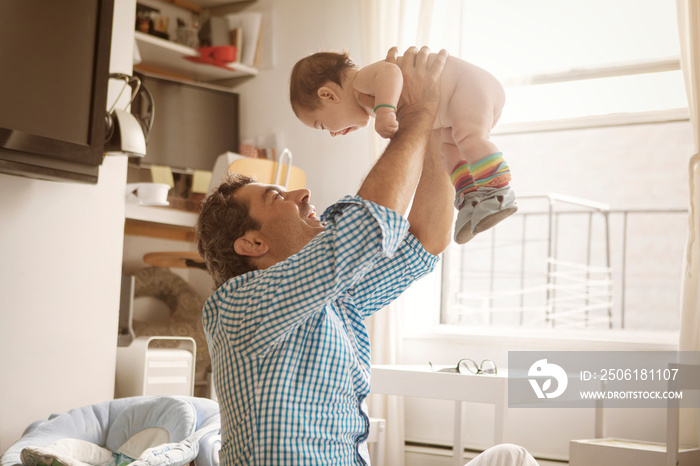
144,368
619,452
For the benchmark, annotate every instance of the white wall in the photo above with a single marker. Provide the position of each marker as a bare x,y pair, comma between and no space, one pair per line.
61,250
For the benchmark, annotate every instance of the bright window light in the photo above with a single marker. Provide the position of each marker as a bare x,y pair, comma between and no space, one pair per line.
516,40
598,238
602,96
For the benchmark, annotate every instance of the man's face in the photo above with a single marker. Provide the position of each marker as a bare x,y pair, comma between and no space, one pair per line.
288,222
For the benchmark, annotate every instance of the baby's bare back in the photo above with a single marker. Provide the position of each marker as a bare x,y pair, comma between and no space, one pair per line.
468,94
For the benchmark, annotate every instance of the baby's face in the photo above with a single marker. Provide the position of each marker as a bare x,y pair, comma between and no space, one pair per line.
338,118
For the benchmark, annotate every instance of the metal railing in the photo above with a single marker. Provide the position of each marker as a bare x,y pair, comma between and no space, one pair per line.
626,215
560,275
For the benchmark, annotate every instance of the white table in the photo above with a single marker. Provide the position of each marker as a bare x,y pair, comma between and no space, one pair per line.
422,382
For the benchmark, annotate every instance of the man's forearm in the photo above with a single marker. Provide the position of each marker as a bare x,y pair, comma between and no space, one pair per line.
393,179
432,212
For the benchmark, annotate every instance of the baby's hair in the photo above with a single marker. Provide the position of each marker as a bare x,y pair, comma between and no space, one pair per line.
313,72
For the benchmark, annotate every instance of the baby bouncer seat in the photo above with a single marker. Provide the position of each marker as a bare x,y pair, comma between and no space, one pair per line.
140,430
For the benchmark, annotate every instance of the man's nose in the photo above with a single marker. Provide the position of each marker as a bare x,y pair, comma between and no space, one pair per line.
300,195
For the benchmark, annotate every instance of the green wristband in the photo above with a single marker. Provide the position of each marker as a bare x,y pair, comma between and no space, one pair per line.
383,105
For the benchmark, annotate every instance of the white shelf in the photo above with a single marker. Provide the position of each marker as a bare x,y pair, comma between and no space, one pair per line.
163,215
215,3
161,54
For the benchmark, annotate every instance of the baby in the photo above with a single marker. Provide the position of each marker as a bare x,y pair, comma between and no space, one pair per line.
329,92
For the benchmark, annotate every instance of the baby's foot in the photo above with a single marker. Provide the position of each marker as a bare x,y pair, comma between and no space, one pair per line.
495,204
466,204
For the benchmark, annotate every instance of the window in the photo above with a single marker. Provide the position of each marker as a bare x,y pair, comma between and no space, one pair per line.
566,58
598,241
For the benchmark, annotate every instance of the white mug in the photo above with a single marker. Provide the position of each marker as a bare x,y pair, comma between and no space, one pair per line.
155,194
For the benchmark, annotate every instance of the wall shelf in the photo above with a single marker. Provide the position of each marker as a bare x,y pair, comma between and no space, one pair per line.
167,57
159,222
164,215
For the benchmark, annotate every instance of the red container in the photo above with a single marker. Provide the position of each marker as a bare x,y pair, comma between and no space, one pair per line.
219,54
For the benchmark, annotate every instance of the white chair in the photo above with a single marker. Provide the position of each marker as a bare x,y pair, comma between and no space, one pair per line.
376,441
265,171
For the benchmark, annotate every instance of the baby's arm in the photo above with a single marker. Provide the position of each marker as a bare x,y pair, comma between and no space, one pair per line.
384,81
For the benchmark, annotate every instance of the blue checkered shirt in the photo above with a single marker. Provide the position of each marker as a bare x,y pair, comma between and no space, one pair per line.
289,346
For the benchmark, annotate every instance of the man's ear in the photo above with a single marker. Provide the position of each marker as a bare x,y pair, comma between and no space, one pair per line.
251,244
328,94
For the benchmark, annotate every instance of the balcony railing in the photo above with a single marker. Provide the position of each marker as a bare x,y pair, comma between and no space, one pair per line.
567,262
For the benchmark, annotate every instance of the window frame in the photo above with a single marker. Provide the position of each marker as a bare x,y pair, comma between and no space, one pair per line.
639,67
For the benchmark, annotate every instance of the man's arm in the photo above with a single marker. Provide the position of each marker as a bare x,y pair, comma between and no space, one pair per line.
432,211
393,179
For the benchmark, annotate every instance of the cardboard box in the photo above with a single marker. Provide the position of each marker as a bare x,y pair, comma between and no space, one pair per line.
619,452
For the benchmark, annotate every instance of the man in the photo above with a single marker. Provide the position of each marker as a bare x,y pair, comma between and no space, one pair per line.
285,328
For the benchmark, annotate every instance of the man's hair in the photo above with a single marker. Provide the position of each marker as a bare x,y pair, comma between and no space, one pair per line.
313,72
222,220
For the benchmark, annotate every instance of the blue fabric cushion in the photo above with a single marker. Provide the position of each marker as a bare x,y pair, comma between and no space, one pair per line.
88,423
94,423
174,415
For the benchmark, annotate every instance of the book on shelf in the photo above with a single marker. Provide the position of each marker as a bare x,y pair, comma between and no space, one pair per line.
237,41
249,25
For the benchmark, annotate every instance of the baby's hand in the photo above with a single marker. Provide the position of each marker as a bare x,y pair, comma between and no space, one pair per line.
385,123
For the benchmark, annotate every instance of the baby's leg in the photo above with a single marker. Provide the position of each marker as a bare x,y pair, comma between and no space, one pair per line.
474,109
465,188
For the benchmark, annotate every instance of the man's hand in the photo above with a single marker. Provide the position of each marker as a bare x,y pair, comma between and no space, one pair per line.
393,179
421,79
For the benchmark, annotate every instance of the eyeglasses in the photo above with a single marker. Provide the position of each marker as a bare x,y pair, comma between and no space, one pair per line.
469,366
